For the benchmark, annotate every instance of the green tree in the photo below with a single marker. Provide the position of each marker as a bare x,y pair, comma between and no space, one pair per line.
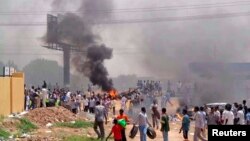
39,70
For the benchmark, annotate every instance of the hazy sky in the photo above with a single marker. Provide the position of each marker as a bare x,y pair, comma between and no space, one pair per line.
159,49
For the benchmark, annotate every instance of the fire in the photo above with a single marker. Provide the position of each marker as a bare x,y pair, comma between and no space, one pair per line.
113,93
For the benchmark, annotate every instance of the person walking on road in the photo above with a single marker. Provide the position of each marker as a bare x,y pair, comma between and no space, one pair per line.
155,114
116,130
124,117
143,122
165,124
199,125
185,124
99,120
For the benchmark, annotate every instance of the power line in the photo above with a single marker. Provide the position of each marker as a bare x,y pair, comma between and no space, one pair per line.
151,9
30,54
149,20
60,54
181,18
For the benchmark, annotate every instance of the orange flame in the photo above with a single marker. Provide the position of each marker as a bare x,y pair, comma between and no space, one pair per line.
113,93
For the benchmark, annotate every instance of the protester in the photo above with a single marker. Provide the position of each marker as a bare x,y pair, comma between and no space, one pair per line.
27,101
165,99
218,114
199,125
155,114
38,97
73,105
245,108
99,120
86,103
92,104
248,117
32,97
143,122
164,124
124,117
113,104
123,102
79,101
44,94
116,130
204,118
227,115
130,108
235,108
213,118
185,124
240,115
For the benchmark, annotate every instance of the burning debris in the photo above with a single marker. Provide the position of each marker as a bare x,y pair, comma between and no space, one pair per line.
113,93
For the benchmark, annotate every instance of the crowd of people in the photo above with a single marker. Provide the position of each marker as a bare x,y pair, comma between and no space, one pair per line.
147,86
102,104
75,101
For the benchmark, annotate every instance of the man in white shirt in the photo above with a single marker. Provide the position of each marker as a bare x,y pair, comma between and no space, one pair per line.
92,104
143,122
44,94
240,116
155,114
204,120
100,116
123,103
199,125
228,116
218,114
85,103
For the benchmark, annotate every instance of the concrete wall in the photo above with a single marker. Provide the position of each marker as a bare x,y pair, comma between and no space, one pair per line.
17,95
5,108
12,94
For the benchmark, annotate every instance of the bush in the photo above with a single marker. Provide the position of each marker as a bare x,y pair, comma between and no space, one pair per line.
4,134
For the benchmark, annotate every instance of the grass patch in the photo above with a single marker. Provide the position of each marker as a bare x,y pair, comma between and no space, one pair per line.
4,134
79,138
77,124
26,126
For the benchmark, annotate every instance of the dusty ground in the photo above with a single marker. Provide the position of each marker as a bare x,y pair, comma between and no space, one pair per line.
174,126
58,133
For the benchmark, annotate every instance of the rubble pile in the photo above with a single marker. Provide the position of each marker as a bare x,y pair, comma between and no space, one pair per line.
43,116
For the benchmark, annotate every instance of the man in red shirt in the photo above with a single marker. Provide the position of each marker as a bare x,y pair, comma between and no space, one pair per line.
125,117
116,130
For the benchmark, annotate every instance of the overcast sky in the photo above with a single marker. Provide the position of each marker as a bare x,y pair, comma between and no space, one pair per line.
158,49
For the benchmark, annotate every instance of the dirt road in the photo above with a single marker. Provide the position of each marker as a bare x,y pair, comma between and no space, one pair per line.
174,126
173,134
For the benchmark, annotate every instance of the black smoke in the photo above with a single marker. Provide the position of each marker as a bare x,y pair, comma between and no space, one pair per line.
96,70
76,29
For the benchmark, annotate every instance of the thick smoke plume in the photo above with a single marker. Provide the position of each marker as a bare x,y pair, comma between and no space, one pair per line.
96,71
76,29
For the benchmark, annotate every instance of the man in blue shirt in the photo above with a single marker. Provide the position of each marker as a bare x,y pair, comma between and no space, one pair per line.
248,117
185,124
